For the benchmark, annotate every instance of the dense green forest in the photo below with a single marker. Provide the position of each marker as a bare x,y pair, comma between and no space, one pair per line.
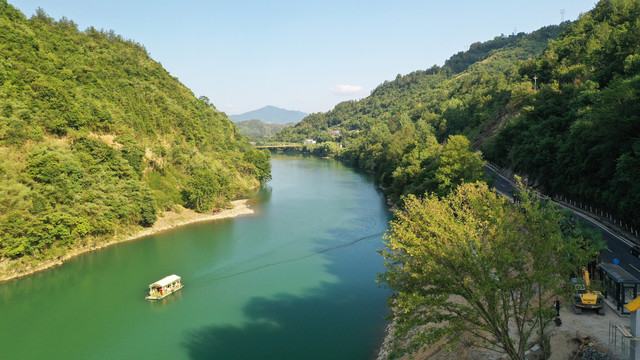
96,138
258,131
579,135
412,132
560,105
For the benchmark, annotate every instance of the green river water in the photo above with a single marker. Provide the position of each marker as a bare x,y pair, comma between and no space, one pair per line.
296,280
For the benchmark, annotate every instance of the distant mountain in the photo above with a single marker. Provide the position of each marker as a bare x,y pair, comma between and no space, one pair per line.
270,114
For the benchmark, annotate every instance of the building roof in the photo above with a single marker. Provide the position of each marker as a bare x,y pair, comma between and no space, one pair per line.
634,305
166,281
619,274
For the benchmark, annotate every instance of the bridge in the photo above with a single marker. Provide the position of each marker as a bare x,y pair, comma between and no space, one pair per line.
280,147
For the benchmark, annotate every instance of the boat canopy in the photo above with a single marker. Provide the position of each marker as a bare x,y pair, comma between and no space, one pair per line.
166,281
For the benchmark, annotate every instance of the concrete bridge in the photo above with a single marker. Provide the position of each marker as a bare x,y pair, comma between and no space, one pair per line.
280,147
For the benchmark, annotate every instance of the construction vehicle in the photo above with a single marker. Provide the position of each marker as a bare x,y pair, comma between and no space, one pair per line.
584,297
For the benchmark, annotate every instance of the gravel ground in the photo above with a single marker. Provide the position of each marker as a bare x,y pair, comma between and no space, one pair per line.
584,336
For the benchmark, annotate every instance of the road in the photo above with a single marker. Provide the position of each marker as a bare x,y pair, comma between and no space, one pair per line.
617,247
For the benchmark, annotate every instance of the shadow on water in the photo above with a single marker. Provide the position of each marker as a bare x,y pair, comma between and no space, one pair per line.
280,329
295,327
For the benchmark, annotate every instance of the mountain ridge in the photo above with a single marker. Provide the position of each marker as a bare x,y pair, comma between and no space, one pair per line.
399,131
559,104
270,114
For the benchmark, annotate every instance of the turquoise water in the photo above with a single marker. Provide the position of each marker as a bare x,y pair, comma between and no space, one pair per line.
296,280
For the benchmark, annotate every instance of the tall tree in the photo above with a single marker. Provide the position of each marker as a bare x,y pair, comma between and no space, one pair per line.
473,261
261,160
457,164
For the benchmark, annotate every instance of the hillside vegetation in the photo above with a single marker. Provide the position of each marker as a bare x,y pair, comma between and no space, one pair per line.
258,131
579,135
96,138
413,132
560,105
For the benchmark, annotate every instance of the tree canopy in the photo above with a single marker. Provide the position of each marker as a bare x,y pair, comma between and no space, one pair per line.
472,261
405,132
579,134
574,133
96,138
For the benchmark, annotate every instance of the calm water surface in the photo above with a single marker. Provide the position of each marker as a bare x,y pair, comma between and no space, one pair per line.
294,281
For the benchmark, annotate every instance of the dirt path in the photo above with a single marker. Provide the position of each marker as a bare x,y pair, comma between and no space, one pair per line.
586,325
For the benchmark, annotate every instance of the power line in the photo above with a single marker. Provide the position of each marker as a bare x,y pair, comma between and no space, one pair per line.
222,277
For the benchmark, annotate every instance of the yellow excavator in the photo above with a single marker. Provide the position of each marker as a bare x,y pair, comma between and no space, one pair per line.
584,297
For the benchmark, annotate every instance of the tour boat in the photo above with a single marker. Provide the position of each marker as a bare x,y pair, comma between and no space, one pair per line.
164,287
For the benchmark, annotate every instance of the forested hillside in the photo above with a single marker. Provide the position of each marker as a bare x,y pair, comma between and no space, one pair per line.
412,132
564,112
96,137
258,131
579,135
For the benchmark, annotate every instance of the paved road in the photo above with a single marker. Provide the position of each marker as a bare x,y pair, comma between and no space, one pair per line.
617,248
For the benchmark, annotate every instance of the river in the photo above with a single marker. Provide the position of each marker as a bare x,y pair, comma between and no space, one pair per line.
296,280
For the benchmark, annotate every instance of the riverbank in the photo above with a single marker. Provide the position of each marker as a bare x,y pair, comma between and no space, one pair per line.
166,221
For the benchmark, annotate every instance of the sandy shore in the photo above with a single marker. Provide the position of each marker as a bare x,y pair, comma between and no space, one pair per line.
166,221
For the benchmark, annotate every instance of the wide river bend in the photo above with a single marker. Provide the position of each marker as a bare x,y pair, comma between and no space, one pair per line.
296,280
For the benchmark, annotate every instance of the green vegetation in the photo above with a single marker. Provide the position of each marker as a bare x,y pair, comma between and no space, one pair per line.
96,138
473,261
562,109
579,135
407,131
258,131
560,105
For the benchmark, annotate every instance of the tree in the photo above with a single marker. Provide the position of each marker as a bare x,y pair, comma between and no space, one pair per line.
148,209
457,163
202,189
262,162
473,261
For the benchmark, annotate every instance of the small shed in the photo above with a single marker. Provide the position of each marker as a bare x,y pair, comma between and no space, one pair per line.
620,287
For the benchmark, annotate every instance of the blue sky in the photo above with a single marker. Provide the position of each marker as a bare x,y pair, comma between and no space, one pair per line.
303,55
